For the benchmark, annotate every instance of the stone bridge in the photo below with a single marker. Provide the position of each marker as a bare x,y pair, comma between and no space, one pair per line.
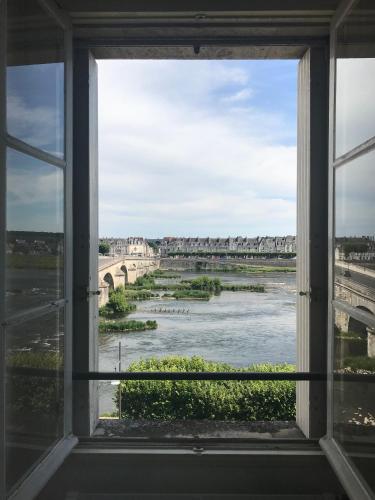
356,286
121,271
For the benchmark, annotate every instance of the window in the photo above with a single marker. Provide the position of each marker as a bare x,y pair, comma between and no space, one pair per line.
36,318
352,390
35,312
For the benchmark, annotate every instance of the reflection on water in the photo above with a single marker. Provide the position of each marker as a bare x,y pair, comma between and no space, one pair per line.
239,328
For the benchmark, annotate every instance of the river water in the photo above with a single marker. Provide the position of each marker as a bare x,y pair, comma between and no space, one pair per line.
239,328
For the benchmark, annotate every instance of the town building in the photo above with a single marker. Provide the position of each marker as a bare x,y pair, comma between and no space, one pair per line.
274,244
136,246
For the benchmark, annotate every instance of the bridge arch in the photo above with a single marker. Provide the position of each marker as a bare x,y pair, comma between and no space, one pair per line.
124,269
108,278
355,326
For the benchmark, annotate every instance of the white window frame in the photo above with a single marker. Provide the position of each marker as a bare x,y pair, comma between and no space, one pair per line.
350,477
312,209
44,468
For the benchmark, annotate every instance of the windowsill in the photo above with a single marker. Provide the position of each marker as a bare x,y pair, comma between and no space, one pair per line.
196,429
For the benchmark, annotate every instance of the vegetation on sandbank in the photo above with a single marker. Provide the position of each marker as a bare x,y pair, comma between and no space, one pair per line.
126,326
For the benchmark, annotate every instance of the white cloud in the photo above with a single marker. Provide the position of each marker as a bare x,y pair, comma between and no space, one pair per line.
241,95
180,153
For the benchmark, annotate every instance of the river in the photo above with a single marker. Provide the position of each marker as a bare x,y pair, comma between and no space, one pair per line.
239,328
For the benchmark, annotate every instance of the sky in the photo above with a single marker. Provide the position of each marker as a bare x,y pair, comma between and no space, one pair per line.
197,148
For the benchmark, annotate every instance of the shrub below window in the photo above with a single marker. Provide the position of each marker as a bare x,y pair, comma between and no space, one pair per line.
215,400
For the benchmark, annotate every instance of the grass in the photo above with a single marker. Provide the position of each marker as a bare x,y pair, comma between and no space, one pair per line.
126,326
164,273
191,294
240,288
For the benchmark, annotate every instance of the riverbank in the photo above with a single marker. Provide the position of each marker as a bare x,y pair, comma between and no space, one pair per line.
226,265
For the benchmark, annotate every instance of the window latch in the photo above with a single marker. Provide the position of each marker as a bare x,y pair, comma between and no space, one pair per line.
303,294
89,293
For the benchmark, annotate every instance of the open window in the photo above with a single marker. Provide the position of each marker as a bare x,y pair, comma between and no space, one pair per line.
36,243
350,441
49,259
311,237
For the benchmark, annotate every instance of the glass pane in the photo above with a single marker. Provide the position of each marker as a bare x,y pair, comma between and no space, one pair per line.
355,230
35,402
355,67
35,77
35,239
354,391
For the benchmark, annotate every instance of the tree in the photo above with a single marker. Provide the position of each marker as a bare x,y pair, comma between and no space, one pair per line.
104,248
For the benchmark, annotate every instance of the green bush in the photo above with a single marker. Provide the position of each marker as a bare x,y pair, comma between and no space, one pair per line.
104,248
191,294
216,400
246,288
146,281
36,394
138,294
206,283
126,326
360,363
117,305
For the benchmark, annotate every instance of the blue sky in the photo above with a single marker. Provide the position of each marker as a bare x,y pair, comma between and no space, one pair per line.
197,148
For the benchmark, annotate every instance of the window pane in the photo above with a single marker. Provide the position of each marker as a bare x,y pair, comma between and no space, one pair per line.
35,77
35,225
354,392
34,406
355,230
355,66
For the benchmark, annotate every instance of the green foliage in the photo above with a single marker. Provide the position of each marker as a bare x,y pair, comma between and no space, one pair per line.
134,294
360,363
247,288
146,281
104,248
206,283
191,294
216,400
37,394
164,273
350,247
117,304
154,244
18,261
126,326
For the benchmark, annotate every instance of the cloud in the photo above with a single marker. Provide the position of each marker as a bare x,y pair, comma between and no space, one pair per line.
241,95
182,151
35,194
355,104
35,111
